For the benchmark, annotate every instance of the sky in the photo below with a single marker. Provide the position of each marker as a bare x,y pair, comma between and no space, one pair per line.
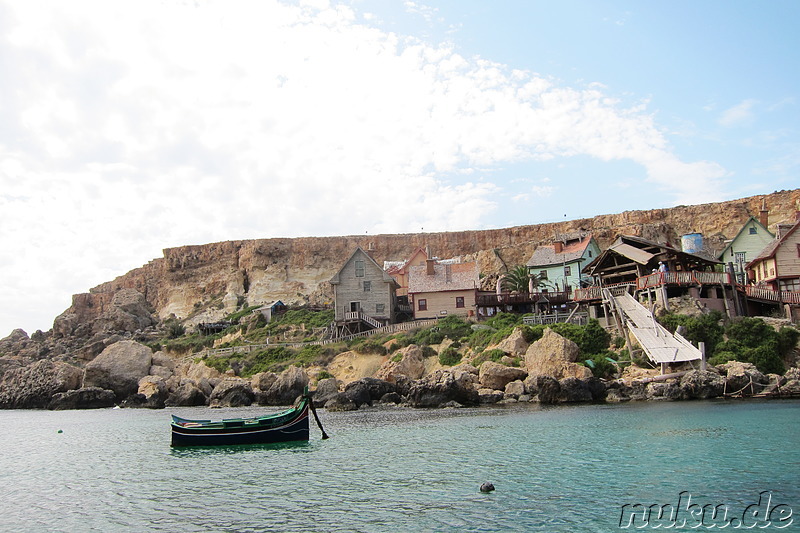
130,127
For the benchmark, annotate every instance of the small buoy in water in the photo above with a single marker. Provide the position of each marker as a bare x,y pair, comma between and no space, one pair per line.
487,487
60,431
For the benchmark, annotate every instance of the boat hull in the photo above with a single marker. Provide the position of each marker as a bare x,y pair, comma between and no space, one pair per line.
237,432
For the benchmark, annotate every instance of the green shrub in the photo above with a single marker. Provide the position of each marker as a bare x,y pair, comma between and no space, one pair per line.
532,334
449,357
427,351
787,339
324,374
397,358
370,347
494,355
721,357
600,366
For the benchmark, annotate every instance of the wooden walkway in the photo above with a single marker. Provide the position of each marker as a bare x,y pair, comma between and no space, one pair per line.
660,345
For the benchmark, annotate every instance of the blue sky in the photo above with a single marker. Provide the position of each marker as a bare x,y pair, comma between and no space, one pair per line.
126,128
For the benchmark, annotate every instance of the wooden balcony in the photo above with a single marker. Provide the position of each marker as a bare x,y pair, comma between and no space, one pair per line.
514,298
660,279
769,295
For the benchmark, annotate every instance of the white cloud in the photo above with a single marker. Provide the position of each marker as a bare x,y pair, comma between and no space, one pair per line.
738,114
126,128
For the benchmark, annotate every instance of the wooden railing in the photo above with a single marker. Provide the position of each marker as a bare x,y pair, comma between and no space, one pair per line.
596,292
658,279
764,293
358,315
509,298
572,318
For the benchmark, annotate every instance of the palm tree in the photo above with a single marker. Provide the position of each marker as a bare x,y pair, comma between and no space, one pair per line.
518,279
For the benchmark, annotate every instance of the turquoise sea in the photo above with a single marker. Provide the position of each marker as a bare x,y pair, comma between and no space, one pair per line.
396,469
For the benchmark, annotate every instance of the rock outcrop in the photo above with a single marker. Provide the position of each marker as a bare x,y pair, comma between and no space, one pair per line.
33,386
496,376
410,365
85,398
119,368
443,386
290,384
555,356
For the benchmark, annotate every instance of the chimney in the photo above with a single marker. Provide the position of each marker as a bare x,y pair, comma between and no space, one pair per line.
429,267
763,215
371,250
558,246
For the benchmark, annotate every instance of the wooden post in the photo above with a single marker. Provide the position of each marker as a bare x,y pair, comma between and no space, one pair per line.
702,347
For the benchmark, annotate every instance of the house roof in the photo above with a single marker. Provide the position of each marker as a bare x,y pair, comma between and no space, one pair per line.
741,231
573,250
386,277
446,277
771,248
636,249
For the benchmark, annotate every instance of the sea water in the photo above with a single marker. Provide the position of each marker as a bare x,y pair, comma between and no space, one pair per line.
565,468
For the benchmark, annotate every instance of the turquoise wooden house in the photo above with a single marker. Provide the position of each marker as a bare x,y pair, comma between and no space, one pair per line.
559,264
745,247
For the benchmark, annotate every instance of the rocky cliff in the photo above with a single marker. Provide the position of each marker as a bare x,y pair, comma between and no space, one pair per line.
198,283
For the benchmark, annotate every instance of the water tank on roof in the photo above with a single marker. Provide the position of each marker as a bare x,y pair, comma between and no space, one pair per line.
692,243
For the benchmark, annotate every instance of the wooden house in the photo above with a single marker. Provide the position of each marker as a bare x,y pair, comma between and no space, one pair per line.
560,264
752,238
399,269
441,289
364,295
777,267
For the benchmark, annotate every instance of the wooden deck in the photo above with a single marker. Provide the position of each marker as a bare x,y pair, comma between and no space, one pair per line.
508,298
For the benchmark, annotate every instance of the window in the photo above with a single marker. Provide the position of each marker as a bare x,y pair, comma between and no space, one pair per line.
380,309
459,301
423,304
753,230
590,253
739,257
567,270
798,250
543,274
367,286
359,268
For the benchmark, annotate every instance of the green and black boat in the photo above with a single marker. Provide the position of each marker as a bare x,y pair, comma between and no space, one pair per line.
287,426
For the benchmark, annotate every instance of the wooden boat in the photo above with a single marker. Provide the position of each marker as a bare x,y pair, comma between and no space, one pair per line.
289,425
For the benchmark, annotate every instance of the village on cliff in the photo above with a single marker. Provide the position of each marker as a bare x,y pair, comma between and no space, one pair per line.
637,320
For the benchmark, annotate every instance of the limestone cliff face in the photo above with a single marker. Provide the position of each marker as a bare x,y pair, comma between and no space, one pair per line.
208,281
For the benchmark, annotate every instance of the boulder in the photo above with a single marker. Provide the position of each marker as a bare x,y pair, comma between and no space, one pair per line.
162,359
699,384
515,389
555,356
326,389
742,378
367,390
161,371
187,394
441,387
597,388
232,392
154,390
489,396
290,384
496,376
391,397
261,383
515,344
85,398
32,386
665,390
411,364
544,389
574,390
119,368
340,402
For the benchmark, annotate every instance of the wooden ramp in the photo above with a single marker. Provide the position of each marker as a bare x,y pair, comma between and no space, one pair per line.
660,345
